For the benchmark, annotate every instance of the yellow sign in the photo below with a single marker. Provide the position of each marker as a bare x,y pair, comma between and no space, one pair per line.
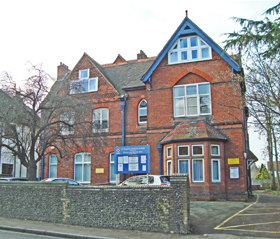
233,160
99,170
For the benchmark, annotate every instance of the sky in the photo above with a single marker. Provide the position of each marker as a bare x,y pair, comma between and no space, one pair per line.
48,32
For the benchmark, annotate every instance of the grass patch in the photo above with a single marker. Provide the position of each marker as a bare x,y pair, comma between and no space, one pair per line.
272,192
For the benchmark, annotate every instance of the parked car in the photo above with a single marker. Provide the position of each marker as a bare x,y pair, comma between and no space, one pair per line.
70,181
143,180
14,179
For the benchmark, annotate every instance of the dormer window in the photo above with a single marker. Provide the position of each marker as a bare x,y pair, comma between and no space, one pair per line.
84,83
84,74
189,49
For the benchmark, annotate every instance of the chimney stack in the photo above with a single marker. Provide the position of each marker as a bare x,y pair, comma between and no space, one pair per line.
186,13
141,55
61,70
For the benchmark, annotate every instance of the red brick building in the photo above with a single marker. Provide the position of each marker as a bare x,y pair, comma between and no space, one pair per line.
186,103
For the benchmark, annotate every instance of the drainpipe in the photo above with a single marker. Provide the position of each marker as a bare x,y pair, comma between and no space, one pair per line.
123,98
159,147
42,158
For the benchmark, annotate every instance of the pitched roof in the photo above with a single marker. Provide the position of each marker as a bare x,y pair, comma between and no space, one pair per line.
189,27
190,131
127,75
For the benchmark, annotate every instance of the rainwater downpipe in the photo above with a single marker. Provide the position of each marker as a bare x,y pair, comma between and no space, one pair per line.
42,158
124,98
159,147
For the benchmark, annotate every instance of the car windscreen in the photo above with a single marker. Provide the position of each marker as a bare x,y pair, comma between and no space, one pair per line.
165,179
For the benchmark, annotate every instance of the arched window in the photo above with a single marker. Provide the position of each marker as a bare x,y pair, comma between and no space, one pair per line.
142,112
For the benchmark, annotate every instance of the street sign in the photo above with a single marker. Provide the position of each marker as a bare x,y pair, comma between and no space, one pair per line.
132,159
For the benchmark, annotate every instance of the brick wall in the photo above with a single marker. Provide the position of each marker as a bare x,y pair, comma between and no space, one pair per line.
159,209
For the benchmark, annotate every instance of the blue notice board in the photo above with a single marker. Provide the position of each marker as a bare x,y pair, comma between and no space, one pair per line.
132,159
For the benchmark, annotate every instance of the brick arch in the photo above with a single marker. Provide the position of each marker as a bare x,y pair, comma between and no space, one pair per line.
186,72
140,98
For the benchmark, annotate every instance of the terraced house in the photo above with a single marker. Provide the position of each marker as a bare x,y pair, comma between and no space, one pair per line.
186,103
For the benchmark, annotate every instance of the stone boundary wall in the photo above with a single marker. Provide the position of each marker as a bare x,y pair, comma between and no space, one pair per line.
148,208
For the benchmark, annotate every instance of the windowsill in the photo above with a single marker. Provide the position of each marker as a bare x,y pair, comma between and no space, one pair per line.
183,62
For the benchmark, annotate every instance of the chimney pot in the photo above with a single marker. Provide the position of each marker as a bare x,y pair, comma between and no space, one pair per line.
186,13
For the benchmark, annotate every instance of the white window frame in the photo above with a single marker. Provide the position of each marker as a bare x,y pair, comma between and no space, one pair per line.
185,98
83,163
193,173
99,112
183,155
80,74
215,145
167,154
139,112
111,173
169,167
188,165
69,118
51,165
219,170
189,49
196,146
78,84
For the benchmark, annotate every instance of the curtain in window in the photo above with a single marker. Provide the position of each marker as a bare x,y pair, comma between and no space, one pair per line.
184,166
197,170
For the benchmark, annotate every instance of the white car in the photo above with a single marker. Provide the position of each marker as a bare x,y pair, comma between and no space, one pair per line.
143,180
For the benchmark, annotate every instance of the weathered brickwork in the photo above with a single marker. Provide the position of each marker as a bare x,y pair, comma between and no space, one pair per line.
157,208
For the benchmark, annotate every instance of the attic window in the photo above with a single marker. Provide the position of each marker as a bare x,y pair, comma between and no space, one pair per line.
189,49
84,74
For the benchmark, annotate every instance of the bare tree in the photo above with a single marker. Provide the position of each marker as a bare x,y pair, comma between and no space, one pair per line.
32,119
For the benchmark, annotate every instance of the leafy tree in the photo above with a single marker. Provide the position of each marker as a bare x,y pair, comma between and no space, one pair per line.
258,42
30,123
264,173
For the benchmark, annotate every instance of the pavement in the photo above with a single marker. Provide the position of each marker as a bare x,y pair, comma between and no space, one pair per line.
219,220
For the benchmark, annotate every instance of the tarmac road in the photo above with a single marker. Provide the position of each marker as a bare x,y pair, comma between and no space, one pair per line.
259,217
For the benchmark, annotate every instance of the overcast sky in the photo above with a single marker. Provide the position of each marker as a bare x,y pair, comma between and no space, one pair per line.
54,31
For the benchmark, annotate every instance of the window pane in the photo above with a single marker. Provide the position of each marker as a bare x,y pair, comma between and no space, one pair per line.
215,168
84,73
112,175
197,170
184,43
183,166
105,114
104,124
78,158
215,150
179,91
191,90
143,104
174,57
87,158
175,47
143,111
86,172
202,43
53,159
197,150
204,89
204,100
193,41
168,152
184,55
179,106
53,171
183,150
92,85
192,106
194,54
78,172
84,85
205,52
204,109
